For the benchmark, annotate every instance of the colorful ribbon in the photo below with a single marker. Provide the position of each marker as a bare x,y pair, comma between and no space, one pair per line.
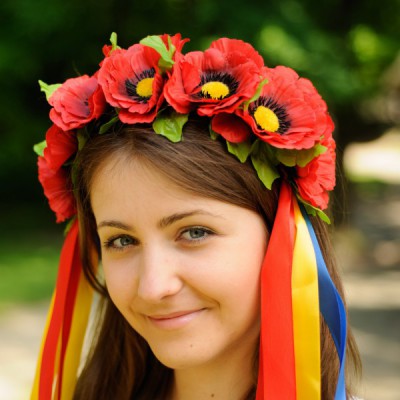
66,325
295,288
306,321
332,309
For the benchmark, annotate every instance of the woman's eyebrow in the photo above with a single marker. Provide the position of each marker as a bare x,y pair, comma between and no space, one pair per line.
114,224
163,223
178,216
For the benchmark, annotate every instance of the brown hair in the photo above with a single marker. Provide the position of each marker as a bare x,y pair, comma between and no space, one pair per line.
120,364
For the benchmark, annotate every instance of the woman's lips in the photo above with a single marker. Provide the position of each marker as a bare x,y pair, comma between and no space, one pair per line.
174,320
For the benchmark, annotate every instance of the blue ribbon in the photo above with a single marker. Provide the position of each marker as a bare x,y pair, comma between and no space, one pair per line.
332,309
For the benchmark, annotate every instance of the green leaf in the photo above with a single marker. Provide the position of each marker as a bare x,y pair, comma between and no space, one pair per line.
265,171
214,135
38,148
105,127
48,89
164,65
261,154
256,95
113,41
170,125
155,42
292,157
264,150
69,225
319,149
240,150
311,210
82,136
287,157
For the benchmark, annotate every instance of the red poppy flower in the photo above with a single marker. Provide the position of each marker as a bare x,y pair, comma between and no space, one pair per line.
176,40
54,178
318,176
214,81
107,49
60,147
58,190
231,127
77,102
132,82
289,113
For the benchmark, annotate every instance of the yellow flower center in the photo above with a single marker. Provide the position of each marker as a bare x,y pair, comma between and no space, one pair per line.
215,90
144,88
266,119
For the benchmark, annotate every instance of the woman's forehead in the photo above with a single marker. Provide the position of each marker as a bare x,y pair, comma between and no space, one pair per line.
129,190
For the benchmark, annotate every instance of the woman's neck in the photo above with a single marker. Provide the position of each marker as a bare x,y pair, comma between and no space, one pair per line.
219,381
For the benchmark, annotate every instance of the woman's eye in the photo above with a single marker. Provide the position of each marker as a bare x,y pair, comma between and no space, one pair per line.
195,234
119,243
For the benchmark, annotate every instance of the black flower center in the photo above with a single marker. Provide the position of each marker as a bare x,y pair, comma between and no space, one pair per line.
140,87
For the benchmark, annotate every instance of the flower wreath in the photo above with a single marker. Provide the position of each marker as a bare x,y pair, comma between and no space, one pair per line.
269,115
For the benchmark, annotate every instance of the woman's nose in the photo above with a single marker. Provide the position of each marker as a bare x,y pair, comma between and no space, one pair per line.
158,275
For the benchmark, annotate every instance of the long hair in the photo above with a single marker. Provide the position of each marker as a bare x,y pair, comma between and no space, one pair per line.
121,364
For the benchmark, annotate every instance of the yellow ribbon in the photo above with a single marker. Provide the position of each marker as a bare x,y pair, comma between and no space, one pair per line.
75,341
35,388
306,320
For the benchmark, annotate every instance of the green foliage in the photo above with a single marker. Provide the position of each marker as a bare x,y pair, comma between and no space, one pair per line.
82,136
155,42
48,89
260,157
311,210
105,127
240,150
213,135
170,125
39,148
113,41
257,94
301,158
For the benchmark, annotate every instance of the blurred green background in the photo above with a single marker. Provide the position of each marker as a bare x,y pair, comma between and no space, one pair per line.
348,48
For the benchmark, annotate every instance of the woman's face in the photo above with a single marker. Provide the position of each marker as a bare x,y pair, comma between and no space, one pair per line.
182,269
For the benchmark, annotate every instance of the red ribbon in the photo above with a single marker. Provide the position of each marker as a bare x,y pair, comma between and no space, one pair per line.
61,318
276,377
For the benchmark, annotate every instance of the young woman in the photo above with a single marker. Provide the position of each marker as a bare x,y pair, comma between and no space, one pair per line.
191,177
